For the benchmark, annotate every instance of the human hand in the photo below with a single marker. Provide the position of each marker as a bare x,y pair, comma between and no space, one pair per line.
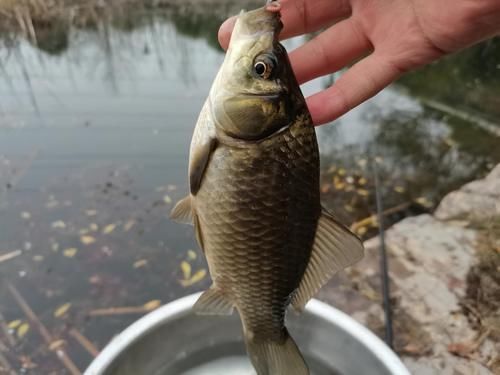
390,37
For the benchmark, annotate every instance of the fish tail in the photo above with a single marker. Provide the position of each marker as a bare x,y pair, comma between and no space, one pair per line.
276,358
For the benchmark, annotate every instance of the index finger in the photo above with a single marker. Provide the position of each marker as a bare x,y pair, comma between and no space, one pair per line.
298,17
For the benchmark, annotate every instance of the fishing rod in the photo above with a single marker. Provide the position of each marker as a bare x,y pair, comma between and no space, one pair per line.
384,267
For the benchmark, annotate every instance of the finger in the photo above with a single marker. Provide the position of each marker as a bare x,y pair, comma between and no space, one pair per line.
298,17
362,81
329,51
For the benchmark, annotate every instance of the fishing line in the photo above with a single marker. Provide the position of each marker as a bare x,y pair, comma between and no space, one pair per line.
384,267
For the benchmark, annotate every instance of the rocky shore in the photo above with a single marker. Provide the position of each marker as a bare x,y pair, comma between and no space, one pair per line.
445,284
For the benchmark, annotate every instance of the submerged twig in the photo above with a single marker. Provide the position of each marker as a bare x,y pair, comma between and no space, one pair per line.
5,367
119,311
44,332
84,342
10,255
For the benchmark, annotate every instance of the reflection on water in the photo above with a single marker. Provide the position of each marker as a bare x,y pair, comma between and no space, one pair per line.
94,135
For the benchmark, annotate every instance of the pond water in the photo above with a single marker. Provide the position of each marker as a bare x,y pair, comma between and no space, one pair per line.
94,141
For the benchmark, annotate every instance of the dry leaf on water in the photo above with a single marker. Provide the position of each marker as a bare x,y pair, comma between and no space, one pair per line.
186,269
14,324
70,253
23,330
151,305
87,240
109,228
140,263
197,277
61,310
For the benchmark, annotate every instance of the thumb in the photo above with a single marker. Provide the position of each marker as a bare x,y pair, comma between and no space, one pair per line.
225,32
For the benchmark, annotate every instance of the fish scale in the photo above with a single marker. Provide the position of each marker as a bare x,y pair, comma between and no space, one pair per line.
267,240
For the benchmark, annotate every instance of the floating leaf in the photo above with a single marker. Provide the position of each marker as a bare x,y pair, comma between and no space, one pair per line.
59,224
191,254
361,231
362,181
128,225
25,215
109,228
349,208
23,330
349,179
84,231
140,263
363,192
151,305
57,344
341,172
362,163
14,324
61,310
94,227
424,201
186,269
70,253
38,258
399,189
91,212
167,199
55,247
87,240
197,277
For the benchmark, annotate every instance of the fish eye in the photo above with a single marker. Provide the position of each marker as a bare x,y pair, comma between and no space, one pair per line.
264,66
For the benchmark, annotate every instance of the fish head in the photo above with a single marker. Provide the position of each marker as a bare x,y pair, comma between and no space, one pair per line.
255,93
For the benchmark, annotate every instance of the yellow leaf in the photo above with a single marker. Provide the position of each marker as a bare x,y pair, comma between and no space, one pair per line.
26,215
109,228
87,240
361,231
363,192
14,324
362,181
424,202
140,263
54,345
191,254
186,269
128,225
23,330
94,227
349,208
61,310
197,277
59,224
167,199
70,253
341,172
151,305
399,189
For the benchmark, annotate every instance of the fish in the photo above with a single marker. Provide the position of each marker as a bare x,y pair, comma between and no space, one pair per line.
254,201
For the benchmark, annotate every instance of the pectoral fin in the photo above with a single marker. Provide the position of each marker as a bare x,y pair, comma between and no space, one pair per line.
335,247
183,212
213,302
198,163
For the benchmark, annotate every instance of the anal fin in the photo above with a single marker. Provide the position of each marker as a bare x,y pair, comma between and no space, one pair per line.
213,302
335,247
183,212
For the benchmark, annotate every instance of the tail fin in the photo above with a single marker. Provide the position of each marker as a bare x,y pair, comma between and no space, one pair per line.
274,358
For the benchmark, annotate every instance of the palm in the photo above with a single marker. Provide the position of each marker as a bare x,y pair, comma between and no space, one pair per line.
392,36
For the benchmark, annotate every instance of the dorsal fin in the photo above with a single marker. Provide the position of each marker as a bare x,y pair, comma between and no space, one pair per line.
335,247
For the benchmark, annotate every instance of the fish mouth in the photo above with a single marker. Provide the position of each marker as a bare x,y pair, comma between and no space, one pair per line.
260,21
